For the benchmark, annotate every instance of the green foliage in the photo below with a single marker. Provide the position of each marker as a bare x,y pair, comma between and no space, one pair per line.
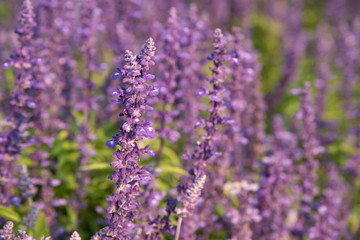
40,228
9,214
266,36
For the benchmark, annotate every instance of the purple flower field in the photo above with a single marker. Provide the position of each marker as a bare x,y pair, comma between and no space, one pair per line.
174,119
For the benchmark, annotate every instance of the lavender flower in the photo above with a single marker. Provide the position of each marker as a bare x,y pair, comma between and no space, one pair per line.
23,99
195,35
294,43
348,56
171,59
156,219
241,213
58,31
31,218
86,99
245,103
128,175
276,183
191,196
26,187
207,148
307,114
332,211
323,47
6,233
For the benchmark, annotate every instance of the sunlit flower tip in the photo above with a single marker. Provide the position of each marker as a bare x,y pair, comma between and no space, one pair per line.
148,108
141,131
199,124
116,75
151,152
218,154
59,202
75,236
174,136
235,60
111,144
116,101
126,127
115,94
31,104
200,93
229,122
6,65
149,77
295,91
147,177
250,72
55,182
154,92
215,98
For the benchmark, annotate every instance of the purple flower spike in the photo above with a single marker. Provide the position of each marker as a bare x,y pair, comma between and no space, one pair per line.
24,101
206,149
128,176
308,169
191,197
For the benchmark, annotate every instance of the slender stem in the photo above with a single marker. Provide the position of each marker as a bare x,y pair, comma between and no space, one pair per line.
162,140
159,156
178,227
30,201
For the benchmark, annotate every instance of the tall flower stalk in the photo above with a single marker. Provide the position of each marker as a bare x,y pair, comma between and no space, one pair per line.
23,101
206,149
308,169
128,176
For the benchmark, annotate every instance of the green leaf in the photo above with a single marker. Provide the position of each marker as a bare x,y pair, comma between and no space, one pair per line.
165,169
40,228
63,135
96,166
9,214
173,157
